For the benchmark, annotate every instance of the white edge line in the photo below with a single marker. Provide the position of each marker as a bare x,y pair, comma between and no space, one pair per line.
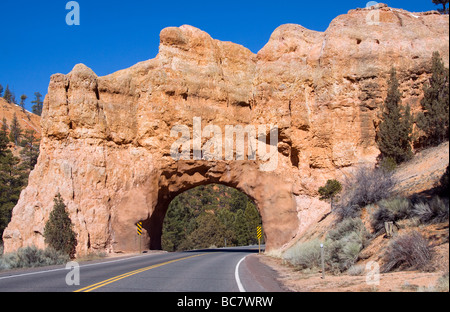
236,275
81,266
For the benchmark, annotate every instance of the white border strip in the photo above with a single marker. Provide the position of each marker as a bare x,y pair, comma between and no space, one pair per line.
236,276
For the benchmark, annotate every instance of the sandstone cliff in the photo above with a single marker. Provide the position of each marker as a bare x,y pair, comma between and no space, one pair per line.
106,140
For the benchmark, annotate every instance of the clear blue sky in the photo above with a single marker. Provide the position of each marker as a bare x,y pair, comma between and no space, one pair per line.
36,42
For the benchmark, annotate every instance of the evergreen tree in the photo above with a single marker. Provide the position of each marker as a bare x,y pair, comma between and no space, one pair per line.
3,138
179,222
23,97
13,98
395,130
8,95
209,232
241,230
30,152
37,107
12,181
444,3
1,90
330,191
434,119
4,125
193,215
58,231
15,130
253,220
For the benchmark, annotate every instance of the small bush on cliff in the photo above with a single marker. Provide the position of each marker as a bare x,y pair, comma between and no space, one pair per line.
407,251
435,210
58,231
393,209
366,186
330,190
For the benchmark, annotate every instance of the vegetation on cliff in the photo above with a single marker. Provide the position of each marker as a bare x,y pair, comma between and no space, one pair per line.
19,151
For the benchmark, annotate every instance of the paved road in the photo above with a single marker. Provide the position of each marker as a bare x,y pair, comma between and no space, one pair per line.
200,270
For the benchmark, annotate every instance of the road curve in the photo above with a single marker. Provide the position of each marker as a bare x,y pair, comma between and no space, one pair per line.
210,270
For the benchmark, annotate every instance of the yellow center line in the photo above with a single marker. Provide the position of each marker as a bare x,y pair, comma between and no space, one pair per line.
119,277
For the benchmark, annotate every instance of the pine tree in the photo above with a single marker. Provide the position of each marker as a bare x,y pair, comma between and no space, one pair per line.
240,229
23,97
253,221
444,3
58,231
434,120
37,107
1,90
4,125
30,152
12,181
330,190
13,98
209,215
15,130
8,95
395,130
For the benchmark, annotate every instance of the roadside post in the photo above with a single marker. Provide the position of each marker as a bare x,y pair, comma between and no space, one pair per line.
139,233
323,261
259,234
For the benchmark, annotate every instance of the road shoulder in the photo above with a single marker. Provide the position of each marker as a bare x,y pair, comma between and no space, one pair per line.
257,276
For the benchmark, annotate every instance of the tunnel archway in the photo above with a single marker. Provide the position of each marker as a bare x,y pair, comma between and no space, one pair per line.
148,203
210,216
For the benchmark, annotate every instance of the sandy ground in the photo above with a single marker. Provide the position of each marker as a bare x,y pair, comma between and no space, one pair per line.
295,280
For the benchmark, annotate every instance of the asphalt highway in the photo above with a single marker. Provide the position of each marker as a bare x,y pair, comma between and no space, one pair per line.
210,270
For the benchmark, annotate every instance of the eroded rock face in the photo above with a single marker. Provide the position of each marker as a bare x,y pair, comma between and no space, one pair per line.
106,140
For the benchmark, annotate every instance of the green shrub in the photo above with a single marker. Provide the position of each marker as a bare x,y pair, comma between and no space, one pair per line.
344,243
331,189
400,207
442,284
392,209
29,257
434,211
387,164
304,255
356,270
407,251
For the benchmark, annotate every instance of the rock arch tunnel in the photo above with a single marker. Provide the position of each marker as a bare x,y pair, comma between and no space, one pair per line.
106,140
273,199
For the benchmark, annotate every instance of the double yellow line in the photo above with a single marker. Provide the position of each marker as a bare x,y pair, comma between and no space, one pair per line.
119,277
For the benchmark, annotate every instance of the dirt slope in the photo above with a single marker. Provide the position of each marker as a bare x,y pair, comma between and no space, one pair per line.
419,175
27,120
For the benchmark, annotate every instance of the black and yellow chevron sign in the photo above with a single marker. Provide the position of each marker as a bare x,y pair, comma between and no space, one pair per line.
259,231
139,228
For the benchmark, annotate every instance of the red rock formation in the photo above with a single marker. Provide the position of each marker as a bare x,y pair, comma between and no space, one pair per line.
106,140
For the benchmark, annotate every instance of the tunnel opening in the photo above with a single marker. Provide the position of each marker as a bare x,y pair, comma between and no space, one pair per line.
210,216
149,203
